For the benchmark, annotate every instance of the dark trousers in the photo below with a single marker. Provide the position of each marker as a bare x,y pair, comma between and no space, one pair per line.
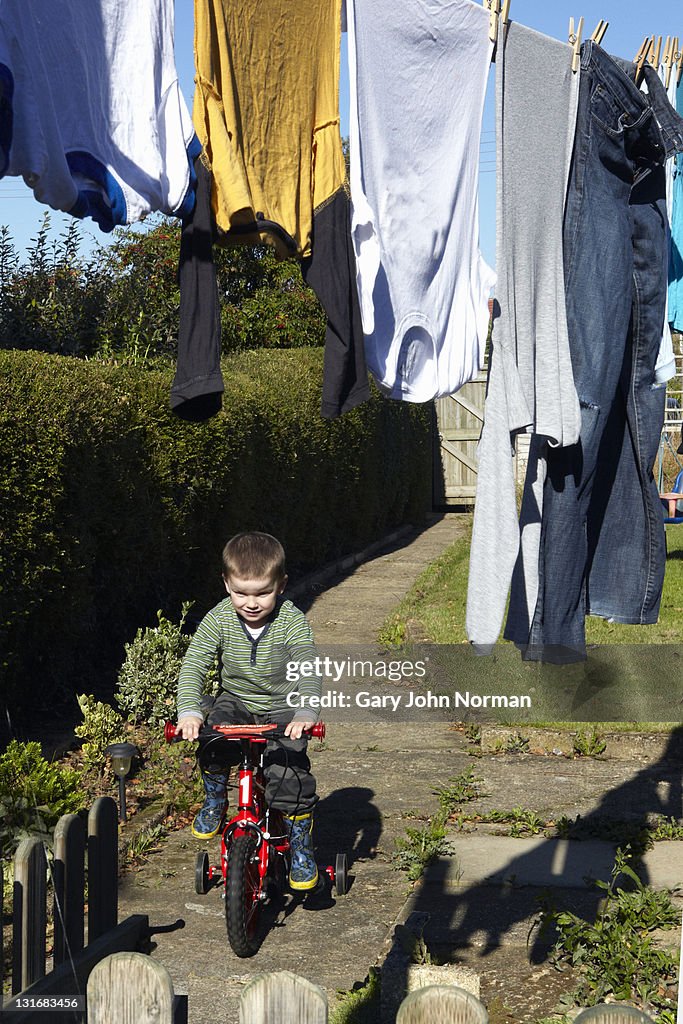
290,786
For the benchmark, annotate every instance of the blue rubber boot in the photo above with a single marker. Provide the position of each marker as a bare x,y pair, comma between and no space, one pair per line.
303,872
209,819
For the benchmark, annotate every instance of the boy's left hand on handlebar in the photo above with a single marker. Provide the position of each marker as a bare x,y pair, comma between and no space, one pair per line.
295,729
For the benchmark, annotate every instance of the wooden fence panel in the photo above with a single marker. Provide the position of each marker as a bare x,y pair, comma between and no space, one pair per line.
442,1004
282,998
29,917
458,423
69,885
130,988
103,840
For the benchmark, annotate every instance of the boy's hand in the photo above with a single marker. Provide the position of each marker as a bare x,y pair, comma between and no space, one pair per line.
189,726
296,728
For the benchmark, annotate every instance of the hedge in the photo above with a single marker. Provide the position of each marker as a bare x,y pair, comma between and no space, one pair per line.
112,508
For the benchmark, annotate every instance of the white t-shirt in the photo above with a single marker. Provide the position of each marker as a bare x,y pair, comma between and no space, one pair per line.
253,631
418,73
100,127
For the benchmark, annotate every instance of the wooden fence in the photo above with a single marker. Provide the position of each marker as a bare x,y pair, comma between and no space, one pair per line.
131,988
74,953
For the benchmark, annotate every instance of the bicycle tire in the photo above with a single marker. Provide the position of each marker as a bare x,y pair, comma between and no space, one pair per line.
243,908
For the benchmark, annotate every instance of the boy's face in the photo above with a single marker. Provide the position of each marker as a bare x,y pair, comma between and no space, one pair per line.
254,599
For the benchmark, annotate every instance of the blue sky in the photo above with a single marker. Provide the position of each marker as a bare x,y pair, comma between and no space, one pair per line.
629,23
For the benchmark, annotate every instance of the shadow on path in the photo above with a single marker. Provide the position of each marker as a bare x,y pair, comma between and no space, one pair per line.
487,913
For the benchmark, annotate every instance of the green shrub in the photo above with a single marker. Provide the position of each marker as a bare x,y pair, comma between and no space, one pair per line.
147,681
55,300
101,726
111,507
34,793
124,299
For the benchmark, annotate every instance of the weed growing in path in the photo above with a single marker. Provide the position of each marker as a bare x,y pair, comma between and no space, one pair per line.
617,955
588,744
422,845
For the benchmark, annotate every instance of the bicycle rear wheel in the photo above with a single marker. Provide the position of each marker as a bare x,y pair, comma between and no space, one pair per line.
243,908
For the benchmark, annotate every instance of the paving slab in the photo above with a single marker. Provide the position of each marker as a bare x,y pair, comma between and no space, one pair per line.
545,862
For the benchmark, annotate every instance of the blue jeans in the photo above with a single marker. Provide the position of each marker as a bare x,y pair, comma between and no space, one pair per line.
602,535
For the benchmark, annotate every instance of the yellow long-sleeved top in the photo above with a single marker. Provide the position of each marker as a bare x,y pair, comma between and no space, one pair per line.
266,110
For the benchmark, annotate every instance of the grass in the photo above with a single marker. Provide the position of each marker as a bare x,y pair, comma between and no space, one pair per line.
359,1005
626,679
437,601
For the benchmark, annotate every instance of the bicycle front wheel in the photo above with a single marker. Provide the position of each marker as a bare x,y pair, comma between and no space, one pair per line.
243,907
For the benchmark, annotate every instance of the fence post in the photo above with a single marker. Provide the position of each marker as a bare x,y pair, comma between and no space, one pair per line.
612,1013
282,998
103,845
441,1004
69,884
29,916
129,988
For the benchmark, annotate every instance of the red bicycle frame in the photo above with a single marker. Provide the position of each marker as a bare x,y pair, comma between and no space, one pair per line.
252,814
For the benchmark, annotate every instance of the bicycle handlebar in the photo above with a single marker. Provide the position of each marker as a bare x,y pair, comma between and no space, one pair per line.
259,733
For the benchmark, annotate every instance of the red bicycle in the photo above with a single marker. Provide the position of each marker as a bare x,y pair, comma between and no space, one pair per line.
254,862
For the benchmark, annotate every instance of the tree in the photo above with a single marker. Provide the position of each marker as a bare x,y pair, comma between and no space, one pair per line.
124,299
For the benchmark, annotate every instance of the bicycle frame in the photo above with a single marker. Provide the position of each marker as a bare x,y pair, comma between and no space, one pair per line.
252,814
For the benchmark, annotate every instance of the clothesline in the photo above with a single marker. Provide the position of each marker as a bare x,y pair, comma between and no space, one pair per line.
650,50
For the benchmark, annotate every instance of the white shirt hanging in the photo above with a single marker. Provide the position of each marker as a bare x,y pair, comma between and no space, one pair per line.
100,127
418,73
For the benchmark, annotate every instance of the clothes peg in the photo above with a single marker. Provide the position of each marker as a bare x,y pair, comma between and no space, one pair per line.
643,56
644,47
494,9
599,32
655,51
666,60
575,40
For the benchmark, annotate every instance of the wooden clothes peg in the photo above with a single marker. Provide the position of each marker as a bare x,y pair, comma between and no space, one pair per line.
575,40
644,47
493,7
655,52
599,33
643,56
667,60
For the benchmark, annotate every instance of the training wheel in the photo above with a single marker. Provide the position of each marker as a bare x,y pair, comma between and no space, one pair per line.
201,873
341,880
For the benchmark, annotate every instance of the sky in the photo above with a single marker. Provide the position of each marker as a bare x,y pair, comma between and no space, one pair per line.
629,22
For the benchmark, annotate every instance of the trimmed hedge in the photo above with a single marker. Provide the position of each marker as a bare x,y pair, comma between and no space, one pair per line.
111,507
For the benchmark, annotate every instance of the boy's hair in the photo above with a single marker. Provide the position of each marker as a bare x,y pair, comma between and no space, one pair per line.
254,556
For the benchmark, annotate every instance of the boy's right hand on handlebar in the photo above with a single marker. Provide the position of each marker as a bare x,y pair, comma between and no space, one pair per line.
189,726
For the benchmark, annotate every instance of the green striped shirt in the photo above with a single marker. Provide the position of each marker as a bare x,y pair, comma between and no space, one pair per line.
258,672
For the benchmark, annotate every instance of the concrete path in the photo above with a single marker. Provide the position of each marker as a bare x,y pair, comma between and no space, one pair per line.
376,777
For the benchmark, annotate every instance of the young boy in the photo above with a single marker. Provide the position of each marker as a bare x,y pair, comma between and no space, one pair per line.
256,632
